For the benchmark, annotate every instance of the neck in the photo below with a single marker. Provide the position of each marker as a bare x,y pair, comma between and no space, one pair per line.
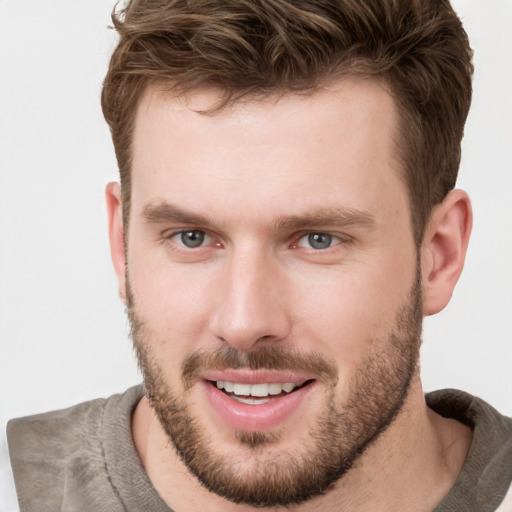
411,466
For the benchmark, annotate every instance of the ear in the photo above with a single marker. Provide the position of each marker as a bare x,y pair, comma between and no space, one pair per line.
444,250
116,234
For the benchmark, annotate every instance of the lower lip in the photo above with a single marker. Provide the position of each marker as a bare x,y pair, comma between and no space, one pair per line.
255,418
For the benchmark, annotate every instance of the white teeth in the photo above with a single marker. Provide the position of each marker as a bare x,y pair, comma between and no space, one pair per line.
288,386
275,389
251,401
257,390
242,389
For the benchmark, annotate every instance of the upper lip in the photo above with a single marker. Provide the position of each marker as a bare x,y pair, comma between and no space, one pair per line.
255,376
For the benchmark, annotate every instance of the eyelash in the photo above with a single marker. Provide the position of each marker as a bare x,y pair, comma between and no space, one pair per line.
335,239
181,232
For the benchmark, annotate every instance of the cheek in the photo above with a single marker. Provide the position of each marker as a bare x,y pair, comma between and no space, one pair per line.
173,303
349,314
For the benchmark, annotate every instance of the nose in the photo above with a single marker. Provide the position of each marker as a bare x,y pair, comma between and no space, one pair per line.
250,305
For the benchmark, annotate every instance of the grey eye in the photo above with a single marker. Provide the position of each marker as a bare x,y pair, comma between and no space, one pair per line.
192,239
319,240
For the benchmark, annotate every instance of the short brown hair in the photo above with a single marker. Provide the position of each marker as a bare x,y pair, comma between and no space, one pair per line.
261,47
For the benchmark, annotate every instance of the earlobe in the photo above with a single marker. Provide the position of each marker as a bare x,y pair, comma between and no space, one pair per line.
116,234
444,250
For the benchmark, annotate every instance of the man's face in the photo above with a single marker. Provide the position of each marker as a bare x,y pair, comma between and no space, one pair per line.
273,284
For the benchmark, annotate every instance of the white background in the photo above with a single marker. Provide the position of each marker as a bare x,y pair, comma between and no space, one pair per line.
63,333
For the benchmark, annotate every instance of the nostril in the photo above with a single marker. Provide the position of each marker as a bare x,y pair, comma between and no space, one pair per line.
265,337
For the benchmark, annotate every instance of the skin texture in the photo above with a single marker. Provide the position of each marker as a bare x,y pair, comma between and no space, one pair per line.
337,438
257,178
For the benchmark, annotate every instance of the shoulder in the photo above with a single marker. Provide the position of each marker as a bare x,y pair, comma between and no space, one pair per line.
50,441
487,472
56,453
468,409
58,430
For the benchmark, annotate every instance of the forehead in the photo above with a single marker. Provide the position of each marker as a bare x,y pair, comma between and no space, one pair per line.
350,103
338,142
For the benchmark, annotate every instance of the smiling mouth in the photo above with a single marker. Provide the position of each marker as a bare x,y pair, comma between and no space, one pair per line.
258,394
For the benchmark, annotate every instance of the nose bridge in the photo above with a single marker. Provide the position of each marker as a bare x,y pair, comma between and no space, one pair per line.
249,306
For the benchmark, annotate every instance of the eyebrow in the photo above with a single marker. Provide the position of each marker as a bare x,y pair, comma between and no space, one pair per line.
337,216
165,212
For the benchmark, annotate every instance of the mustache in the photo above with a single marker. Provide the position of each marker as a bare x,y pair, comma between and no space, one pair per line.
268,357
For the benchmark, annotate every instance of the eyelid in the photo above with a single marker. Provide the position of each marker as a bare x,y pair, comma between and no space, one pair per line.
338,239
171,234
210,238
176,237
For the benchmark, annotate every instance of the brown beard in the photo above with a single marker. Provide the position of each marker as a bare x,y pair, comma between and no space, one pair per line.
341,435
